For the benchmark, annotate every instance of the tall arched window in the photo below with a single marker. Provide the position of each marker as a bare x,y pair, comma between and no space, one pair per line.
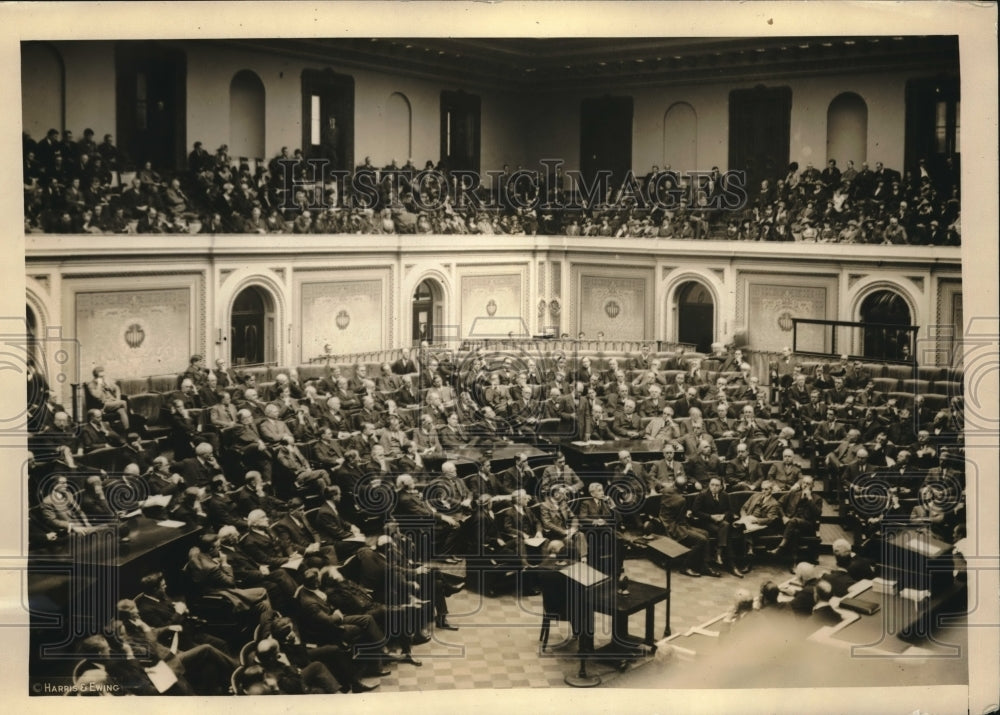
847,129
882,312
246,115
398,128
680,137
42,89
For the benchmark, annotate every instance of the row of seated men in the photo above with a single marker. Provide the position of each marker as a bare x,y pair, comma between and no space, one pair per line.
256,432
557,525
320,617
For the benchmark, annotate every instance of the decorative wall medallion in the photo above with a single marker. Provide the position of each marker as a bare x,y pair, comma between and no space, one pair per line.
343,319
612,309
134,336
785,322
491,308
554,308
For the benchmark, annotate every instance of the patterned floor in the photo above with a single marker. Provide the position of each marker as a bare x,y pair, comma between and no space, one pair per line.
497,645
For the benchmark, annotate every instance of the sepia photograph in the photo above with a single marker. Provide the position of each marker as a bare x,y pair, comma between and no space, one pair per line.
395,350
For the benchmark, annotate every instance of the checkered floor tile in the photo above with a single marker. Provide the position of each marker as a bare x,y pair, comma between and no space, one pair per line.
497,644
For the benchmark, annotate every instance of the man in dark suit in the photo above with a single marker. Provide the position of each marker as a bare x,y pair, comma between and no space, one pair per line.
831,429
490,428
220,507
97,434
772,447
520,523
246,441
195,371
682,405
260,545
713,512
802,510
322,623
411,503
703,465
405,365
255,494
664,470
332,526
742,471
278,582
223,375
198,470
673,521
222,415
335,417
627,424
785,473
297,536
761,510
453,435
210,393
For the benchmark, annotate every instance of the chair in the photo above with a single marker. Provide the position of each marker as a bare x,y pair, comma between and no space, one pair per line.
935,402
903,399
554,603
925,372
875,369
916,387
163,383
951,388
900,372
549,427
886,384
249,649
149,407
131,386
235,686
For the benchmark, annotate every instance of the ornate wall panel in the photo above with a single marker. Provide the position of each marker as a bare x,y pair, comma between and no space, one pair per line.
491,305
618,304
771,301
347,315
134,332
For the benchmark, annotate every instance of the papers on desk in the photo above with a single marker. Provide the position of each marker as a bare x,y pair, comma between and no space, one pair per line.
750,526
157,500
162,677
292,564
171,523
356,537
535,541
137,512
588,442
914,594
923,546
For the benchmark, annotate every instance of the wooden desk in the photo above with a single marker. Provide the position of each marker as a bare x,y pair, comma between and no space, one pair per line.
640,597
77,590
594,456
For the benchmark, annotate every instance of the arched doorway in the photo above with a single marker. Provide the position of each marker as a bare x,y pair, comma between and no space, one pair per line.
680,138
399,128
43,99
881,312
427,311
252,328
246,115
847,129
695,316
